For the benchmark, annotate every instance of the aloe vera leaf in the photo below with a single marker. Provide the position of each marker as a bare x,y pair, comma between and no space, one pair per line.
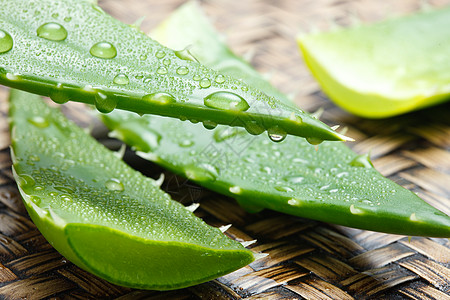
105,217
384,69
332,184
72,50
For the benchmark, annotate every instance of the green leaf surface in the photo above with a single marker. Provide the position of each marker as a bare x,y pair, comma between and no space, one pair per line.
332,184
384,69
105,217
72,50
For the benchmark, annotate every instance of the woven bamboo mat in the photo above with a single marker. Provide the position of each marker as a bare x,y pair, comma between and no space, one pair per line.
307,259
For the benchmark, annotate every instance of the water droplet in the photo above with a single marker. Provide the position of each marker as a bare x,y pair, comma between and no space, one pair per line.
209,124
52,31
226,101
65,197
202,172
254,128
166,61
235,190
104,104
294,202
224,133
342,174
355,210
182,70
39,121
205,83
160,54
196,77
121,79
186,143
161,98
67,19
285,189
114,184
36,200
314,141
362,161
162,70
6,41
58,95
103,50
276,134
220,79
143,57
293,179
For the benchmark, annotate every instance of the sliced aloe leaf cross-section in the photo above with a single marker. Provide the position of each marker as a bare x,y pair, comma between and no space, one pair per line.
70,50
384,69
105,217
332,184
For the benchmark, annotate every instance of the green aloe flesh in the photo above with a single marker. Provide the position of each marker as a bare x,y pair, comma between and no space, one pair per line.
105,217
384,69
332,184
70,50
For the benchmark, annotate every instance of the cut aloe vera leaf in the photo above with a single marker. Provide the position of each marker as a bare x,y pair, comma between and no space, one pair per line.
72,50
384,69
105,217
332,184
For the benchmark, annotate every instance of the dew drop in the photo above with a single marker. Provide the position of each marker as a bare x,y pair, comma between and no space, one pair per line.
314,141
220,79
57,95
294,179
6,41
294,202
104,104
209,124
160,54
162,70
36,200
52,31
202,172
253,128
196,77
205,83
103,50
114,184
224,133
276,134
182,71
166,61
226,101
121,79
161,98
235,190
285,189
186,143
39,121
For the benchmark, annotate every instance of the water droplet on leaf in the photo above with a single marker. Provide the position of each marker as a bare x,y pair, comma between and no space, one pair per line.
161,98
226,101
114,184
205,83
39,121
104,104
276,134
6,41
121,79
52,31
103,50
182,71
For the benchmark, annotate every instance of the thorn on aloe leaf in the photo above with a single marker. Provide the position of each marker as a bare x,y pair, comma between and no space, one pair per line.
225,227
160,180
193,207
259,256
248,243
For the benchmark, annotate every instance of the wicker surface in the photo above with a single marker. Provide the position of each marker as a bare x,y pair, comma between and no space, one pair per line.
307,259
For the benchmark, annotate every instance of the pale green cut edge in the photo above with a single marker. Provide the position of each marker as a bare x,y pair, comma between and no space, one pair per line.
384,69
